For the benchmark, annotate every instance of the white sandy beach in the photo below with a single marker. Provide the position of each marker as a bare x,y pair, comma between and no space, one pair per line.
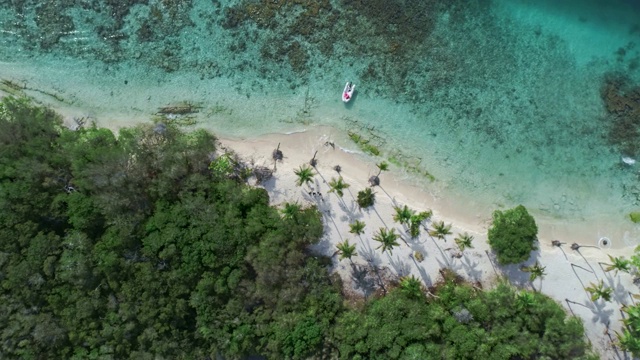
562,281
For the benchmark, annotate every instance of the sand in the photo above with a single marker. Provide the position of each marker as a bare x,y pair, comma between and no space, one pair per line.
562,280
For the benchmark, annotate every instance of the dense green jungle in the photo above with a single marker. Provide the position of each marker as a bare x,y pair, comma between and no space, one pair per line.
148,244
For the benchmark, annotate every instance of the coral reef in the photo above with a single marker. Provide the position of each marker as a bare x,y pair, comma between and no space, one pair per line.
622,101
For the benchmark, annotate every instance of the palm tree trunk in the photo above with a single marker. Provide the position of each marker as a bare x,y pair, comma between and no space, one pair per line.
491,262
441,252
330,216
569,302
393,201
591,267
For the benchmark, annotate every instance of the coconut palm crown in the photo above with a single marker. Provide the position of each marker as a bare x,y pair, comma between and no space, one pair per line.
346,250
366,198
618,264
357,227
338,186
440,230
464,241
599,291
305,175
387,239
535,271
416,221
403,214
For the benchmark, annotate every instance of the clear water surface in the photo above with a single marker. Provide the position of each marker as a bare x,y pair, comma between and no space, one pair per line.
500,100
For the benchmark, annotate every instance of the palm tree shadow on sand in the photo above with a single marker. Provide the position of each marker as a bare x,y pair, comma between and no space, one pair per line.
516,276
600,312
401,267
363,282
426,279
620,294
469,267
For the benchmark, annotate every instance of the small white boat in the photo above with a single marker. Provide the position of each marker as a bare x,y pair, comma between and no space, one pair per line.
347,94
628,160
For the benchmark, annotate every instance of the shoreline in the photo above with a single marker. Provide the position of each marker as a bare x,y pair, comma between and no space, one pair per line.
476,265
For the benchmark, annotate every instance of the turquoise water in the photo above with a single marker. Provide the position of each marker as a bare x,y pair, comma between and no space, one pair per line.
500,100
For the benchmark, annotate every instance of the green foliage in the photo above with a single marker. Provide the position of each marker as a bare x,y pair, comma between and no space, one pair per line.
346,250
440,230
464,241
512,235
629,339
403,214
364,144
357,227
129,246
411,287
460,323
305,175
366,198
635,216
338,186
535,271
223,165
416,221
388,239
599,291
618,264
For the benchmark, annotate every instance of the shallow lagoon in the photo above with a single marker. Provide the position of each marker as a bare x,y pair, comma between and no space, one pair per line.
500,101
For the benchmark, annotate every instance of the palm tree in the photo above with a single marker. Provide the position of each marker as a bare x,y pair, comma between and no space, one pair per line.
632,320
277,154
357,227
464,241
440,230
375,179
416,221
576,246
535,271
290,210
305,175
346,250
387,239
599,291
338,186
628,341
617,264
558,244
411,286
338,169
366,198
403,214
313,162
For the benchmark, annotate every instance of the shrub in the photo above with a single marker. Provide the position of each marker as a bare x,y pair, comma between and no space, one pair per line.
512,235
635,216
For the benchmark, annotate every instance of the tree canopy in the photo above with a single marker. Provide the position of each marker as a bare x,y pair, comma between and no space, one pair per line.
513,235
145,244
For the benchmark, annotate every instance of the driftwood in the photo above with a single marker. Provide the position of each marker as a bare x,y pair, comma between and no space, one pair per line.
262,174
